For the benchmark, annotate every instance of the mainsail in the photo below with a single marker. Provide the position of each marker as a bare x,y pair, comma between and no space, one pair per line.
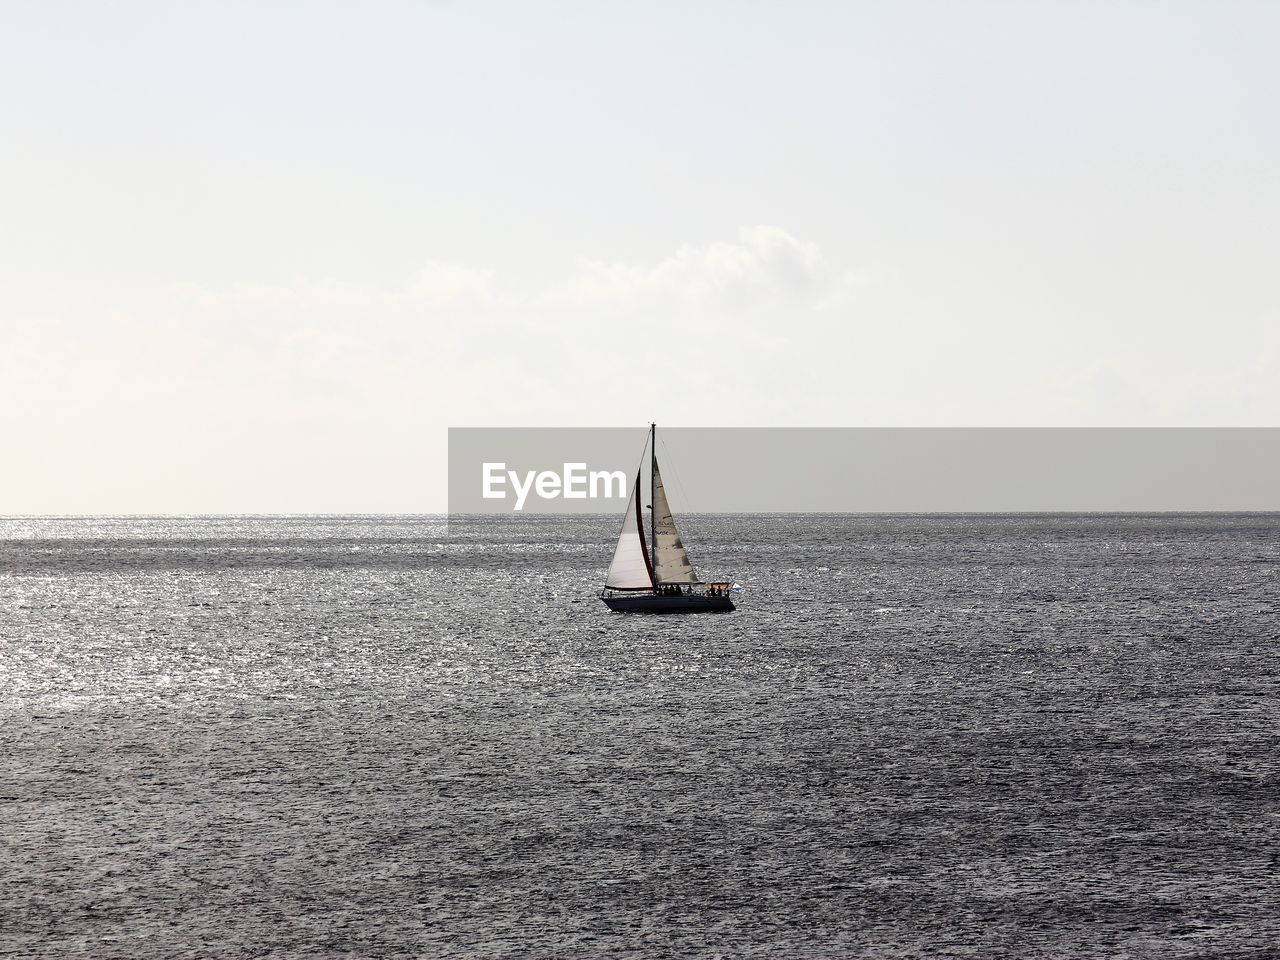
630,569
670,561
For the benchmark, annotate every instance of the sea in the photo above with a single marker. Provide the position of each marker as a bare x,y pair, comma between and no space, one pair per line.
1023,736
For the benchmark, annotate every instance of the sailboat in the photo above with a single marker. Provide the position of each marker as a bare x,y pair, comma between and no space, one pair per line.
657,577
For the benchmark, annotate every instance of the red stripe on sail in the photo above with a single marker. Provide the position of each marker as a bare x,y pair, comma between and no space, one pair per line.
644,547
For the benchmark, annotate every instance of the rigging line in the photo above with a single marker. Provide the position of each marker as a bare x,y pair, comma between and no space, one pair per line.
688,508
640,468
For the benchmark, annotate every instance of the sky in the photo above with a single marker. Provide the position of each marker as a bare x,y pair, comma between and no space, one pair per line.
259,257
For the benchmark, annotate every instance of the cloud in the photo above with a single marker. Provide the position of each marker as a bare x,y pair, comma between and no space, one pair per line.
452,285
456,340
211,382
765,267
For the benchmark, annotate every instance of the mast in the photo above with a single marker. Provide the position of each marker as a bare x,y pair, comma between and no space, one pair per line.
653,498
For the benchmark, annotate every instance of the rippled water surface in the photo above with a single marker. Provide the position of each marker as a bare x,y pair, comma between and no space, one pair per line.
1048,736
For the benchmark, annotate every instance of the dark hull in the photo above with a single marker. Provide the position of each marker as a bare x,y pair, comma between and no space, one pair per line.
649,603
